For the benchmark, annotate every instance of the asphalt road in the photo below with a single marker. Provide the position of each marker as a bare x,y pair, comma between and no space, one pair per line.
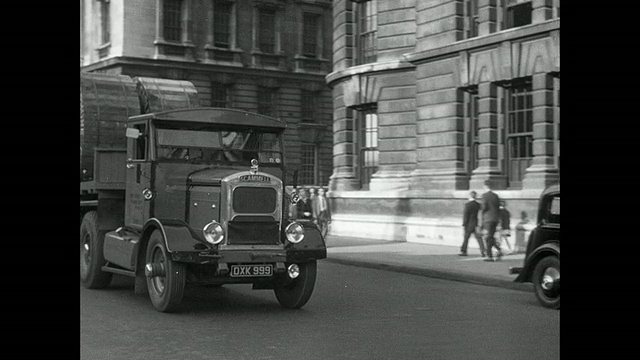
354,313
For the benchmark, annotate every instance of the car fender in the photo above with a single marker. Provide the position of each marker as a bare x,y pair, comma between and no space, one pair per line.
178,235
550,248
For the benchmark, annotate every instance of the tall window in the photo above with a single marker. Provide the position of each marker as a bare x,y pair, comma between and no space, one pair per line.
219,95
519,130
222,24
309,106
310,35
517,13
367,142
105,19
308,164
470,18
267,101
267,31
367,26
172,20
471,117
556,120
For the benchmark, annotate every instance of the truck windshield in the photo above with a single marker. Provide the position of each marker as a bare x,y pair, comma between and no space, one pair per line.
209,146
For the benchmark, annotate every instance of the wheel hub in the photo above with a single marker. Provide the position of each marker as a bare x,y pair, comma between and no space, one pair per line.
157,269
85,250
550,278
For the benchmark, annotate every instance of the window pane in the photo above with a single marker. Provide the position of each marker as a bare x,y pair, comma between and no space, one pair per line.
519,15
219,95
308,100
221,24
307,166
267,31
266,101
310,35
172,19
105,19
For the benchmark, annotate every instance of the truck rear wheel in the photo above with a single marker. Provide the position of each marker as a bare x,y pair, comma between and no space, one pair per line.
294,293
166,289
91,253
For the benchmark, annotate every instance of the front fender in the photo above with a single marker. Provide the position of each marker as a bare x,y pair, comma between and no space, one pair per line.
178,235
551,248
312,247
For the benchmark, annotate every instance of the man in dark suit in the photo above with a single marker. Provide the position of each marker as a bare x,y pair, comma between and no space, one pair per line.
304,206
490,219
470,224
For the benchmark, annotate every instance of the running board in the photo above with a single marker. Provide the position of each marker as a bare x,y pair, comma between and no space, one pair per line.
107,268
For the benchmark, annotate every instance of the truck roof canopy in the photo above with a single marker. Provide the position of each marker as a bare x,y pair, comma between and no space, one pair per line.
219,116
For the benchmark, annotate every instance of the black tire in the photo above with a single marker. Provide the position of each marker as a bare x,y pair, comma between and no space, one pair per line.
294,294
547,292
165,292
91,254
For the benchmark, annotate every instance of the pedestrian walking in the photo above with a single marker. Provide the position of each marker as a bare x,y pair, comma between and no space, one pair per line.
304,206
490,219
323,212
505,225
470,224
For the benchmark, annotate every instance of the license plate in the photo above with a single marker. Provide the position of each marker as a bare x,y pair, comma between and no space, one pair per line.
251,270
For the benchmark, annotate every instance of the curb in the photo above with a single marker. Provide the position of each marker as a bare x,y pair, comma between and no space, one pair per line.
437,274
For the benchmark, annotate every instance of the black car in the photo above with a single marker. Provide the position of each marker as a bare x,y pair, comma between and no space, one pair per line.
542,261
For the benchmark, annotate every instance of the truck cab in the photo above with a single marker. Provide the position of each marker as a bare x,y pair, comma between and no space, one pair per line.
204,203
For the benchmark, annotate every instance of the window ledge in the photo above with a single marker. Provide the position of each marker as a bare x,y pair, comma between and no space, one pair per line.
171,43
104,46
302,57
212,47
258,52
103,50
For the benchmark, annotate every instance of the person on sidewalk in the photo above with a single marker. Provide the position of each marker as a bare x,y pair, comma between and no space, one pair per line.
505,225
490,219
470,224
304,206
323,212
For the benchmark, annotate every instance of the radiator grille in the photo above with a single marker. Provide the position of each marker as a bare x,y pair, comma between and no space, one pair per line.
254,200
253,233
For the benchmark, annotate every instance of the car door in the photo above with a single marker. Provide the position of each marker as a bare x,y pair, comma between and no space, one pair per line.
137,209
550,224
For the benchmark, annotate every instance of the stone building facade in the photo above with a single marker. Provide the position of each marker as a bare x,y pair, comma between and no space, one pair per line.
431,98
265,56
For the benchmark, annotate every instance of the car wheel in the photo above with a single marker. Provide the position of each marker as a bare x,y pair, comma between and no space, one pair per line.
546,282
91,254
294,293
166,283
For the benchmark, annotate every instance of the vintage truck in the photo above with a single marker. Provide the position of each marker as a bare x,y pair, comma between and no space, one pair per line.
196,196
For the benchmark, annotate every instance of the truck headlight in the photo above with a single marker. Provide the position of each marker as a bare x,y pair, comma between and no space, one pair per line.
213,233
294,232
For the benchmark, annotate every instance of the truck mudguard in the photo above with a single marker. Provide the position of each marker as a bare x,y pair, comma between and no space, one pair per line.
312,247
179,237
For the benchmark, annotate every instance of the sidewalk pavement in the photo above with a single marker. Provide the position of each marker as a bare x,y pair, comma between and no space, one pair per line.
437,261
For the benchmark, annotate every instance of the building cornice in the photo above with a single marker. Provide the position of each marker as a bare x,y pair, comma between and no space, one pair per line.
483,41
367,68
191,66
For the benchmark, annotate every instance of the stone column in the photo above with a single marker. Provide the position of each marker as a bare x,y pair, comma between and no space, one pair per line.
543,171
541,10
488,165
343,177
487,17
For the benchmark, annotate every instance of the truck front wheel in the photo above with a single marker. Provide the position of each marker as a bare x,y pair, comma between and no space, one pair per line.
294,293
91,254
167,279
